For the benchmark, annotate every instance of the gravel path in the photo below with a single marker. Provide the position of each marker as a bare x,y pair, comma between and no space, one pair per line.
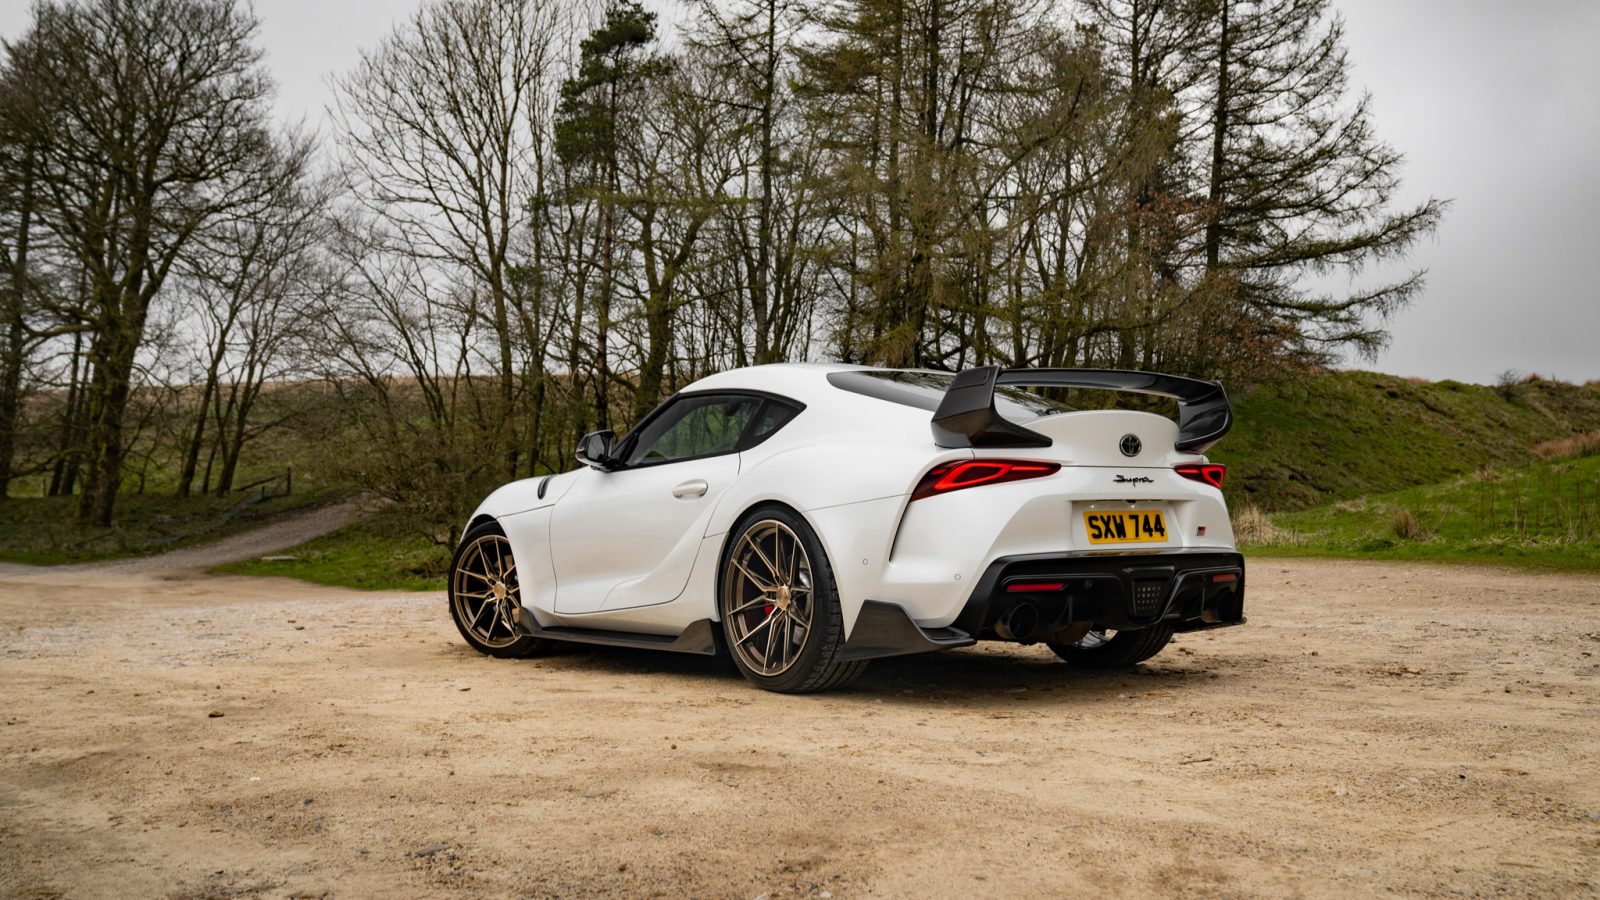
289,530
1389,729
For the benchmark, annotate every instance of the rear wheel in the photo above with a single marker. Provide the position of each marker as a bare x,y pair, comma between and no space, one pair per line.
780,606
1104,649
485,595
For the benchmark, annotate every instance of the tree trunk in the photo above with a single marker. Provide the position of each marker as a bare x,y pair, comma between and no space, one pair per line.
112,357
191,456
16,336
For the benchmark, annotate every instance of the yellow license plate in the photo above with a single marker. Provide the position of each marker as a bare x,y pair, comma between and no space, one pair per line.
1133,526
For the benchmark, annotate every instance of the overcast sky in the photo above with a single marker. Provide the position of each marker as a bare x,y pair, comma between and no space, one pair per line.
1493,103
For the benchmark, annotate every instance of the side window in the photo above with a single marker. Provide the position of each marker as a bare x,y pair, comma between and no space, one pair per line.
773,416
694,426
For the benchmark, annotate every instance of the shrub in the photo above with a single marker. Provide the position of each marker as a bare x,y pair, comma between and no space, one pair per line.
1505,384
1252,526
1407,527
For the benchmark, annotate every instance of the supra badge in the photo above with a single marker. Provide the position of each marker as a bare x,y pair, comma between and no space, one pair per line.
1137,479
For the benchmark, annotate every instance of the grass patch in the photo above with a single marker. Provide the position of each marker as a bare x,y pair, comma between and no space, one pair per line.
43,530
1344,435
384,551
1544,515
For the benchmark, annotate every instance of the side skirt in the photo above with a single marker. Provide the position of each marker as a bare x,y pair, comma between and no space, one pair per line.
698,638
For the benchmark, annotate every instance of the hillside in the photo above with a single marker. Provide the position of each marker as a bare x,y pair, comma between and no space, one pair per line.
1351,434
1544,514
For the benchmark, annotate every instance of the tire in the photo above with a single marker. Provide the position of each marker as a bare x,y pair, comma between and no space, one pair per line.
483,593
1120,650
780,608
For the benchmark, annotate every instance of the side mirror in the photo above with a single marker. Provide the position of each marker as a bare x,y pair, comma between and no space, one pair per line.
594,450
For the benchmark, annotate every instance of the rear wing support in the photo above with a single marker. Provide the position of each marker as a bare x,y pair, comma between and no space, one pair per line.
966,416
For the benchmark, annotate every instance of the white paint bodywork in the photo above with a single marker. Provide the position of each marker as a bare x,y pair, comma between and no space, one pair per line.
617,550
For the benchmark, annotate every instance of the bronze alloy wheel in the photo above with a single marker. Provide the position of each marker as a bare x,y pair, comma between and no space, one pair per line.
771,605
484,591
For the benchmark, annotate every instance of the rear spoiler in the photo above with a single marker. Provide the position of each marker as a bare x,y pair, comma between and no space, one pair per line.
966,416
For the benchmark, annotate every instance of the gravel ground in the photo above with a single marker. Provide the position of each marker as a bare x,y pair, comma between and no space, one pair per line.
1376,728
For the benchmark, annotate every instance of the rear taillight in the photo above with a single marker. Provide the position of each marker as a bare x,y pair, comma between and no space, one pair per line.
974,472
1210,473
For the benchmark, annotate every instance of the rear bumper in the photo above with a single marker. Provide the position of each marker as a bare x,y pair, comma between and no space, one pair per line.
1187,590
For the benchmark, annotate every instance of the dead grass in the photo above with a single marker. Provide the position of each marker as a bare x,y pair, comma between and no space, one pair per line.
1407,527
1251,525
1569,447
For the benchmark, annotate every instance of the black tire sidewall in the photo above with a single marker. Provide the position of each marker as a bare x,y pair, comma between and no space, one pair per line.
1126,648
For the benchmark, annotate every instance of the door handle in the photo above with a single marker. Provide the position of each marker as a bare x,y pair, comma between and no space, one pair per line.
696,488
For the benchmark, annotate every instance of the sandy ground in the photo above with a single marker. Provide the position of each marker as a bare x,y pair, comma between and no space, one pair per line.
1392,729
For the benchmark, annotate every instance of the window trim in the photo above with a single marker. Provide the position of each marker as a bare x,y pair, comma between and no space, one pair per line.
746,441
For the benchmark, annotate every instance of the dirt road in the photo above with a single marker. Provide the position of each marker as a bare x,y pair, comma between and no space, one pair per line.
1396,729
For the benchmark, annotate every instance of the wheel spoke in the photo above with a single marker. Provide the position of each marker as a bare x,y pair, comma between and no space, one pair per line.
756,602
749,539
777,554
757,630
788,636
482,607
765,588
481,577
766,658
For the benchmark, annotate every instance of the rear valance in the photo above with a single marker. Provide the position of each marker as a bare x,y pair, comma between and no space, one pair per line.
966,417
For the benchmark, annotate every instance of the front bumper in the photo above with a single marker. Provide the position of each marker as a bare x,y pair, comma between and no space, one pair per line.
1187,590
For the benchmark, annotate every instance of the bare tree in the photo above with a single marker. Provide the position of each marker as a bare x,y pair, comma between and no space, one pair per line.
244,273
150,119
444,127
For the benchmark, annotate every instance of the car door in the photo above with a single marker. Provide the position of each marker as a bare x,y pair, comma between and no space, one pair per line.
629,537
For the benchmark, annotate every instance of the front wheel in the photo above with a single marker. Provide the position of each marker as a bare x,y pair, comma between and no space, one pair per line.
485,595
1114,649
780,606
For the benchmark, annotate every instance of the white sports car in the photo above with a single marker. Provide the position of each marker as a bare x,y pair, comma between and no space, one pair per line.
808,518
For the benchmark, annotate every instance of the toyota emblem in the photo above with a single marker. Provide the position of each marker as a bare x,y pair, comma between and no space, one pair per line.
1130,445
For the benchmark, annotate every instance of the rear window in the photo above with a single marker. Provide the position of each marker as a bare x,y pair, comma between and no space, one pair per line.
923,390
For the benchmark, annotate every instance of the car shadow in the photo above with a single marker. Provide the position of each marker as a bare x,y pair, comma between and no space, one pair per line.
1023,675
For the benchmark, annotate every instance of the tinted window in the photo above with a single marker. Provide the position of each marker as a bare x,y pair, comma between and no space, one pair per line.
924,390
694,426
773,416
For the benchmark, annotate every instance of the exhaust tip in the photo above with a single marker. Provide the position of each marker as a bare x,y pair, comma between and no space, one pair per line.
1018,623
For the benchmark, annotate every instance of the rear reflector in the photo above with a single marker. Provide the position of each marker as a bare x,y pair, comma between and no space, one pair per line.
1210,473
966,473
1035,587
1224,577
